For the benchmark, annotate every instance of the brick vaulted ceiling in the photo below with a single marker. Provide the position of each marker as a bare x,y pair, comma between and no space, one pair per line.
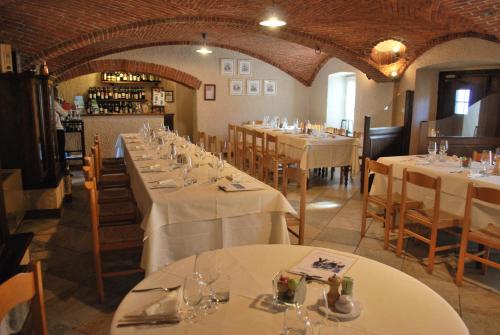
67,33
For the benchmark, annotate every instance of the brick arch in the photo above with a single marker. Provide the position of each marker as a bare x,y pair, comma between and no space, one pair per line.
445,38
287,35
102,65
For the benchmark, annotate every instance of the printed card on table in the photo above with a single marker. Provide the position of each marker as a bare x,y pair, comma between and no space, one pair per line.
324,264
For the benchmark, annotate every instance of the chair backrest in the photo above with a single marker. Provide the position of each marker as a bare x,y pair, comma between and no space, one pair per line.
330,130
300,177
202,138
386,170
231,133
25,286
485,194
248,138
96,166
91,188
211,144
426,181
258,139
87,168
258,122
476,156
341,132
271,147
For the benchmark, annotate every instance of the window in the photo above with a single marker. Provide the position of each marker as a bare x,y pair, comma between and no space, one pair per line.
462,101
341,100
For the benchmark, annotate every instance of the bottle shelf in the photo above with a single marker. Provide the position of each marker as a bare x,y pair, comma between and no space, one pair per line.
131,82
118,100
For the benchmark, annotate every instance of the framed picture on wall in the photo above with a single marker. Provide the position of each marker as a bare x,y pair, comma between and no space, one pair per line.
270,87
227,67
236,87
253,87
245,67
169,96
209,92
158,96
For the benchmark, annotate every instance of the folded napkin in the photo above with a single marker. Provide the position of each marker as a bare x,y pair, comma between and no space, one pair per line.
151,167
166,183
166,306
143,157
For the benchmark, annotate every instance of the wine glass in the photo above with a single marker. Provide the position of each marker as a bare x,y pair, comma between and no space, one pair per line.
207,268
187,166
192,294
432,149
219,165
486,158
443,146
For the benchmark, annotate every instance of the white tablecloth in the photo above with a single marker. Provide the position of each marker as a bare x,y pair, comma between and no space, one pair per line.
453,186
316,152
181,221
393,302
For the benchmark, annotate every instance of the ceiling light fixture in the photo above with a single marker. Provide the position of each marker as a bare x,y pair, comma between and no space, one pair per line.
317,51
273,21
394,74
204,50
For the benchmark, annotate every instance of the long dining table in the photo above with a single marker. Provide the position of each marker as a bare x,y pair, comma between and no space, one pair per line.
180,221
326,150
454,185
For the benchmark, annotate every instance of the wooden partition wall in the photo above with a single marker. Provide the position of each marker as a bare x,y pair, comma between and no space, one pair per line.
387,141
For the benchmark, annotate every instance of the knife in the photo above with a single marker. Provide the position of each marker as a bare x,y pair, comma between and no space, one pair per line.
148,323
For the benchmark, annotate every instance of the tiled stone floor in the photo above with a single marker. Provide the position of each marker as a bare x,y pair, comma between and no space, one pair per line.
333,221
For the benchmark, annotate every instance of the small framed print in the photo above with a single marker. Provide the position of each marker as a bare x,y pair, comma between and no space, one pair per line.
169,96
253,87
209,92
158,97
227,67
270,87
236,87
245,67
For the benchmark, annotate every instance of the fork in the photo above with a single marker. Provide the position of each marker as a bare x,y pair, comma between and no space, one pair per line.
166,289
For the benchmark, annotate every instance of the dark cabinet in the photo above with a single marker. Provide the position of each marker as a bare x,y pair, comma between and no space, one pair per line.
27,129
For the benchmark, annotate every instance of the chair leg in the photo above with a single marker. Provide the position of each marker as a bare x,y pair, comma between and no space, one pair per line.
387,227
486,255
98,276
399,248
363,218
432,250
332,171
275,175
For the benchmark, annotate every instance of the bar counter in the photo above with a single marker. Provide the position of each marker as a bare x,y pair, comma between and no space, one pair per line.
109,126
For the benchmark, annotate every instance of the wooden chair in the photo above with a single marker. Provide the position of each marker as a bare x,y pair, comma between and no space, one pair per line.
112,166
115,227
239,147
212,144
272,160
488,237
231,143
389,202
106,195
107,161
300,177
258,141
476,156
23,287
202,138
112,180
434,218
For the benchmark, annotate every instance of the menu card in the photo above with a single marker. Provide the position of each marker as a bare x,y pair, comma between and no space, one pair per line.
228,186
323,264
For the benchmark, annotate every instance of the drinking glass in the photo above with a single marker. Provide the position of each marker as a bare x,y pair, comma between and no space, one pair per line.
221,289
486,159
206,267
432,148
219,165
186,168
443,146
192,294
296,321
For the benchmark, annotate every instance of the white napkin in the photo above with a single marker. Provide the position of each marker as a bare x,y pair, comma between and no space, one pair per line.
166,183
152,167
143,157
165,306
138,147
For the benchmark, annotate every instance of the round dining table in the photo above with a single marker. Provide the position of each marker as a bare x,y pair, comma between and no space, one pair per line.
392,301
